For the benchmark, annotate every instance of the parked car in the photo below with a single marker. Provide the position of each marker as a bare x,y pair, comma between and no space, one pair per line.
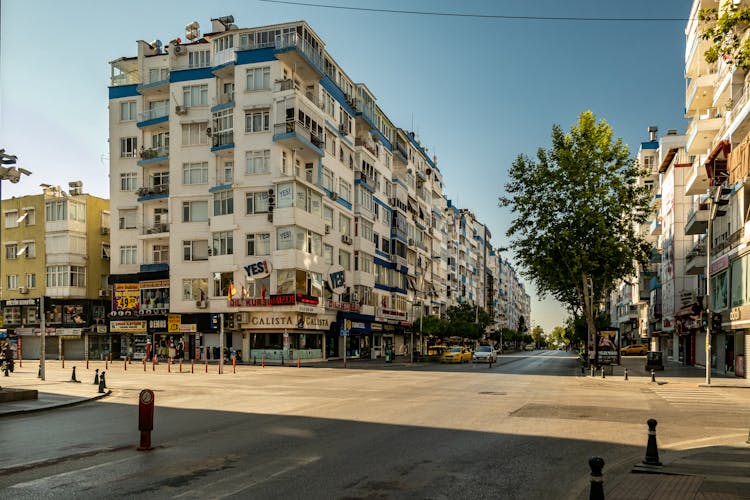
456,355
634,350
484,354
529,347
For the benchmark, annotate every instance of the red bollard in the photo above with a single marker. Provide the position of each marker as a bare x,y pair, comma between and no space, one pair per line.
153,364
62,358
145,418
234,365
263,361
206,365
169,365
125,364
144,364
180,365
299,363
87,362
192,365
106,363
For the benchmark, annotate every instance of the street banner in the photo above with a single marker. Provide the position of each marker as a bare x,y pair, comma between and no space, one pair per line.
608,347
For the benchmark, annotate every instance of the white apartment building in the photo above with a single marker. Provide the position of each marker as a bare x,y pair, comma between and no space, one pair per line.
252,177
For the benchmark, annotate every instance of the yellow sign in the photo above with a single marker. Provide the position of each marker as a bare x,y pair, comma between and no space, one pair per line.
173,323
126,297
128,326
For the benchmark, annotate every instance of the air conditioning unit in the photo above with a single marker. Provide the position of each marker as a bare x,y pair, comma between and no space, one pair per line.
201,304
328,229
346,239
105,230
179,50
104,292
242,318
181,110
333,195
23,290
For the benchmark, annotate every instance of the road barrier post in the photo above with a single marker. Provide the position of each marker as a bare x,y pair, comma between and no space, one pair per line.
626,374
73,376
96,376
145,418
653,376
62,359
652,451
597,483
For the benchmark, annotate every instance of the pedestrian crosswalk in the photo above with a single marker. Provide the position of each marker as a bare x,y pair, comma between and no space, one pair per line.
692,398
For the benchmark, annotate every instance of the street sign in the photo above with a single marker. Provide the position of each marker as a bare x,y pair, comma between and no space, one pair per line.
344,332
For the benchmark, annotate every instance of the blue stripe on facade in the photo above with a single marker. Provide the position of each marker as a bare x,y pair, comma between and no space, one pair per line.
300,137
382,254
337,94
221,148
344,203
153,197
426,156
186,75
121,91
382,204
152,160
383,139
384,263
223,187
360,182
650,145
341,136
255,56
153,121
150,268
222,106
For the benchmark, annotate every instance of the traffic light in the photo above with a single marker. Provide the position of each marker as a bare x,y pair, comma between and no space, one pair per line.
716,322
704,320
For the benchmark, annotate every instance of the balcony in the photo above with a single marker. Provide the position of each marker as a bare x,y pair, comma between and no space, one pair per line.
697,222
702,131
155,117
156,86
654,228
154,156
296,135
695,260
655,203
159,229
224,62
155,192
698,181
222,140
296,52
700,92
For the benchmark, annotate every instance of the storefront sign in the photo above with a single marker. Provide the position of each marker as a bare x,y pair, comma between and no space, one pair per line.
269,320
69,332
286,299
126,297
188,328
101,329
36,331
22,302
128,326
336,279
258,269
173,323
735,314
393,314
157,324
343,306
249,302
720,264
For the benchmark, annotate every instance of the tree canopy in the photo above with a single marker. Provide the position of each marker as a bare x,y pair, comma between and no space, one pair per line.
576,208
725,28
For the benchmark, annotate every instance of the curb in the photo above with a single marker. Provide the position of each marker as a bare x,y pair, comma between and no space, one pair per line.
54,407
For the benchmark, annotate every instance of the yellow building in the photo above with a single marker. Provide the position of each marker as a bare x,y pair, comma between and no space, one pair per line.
56,245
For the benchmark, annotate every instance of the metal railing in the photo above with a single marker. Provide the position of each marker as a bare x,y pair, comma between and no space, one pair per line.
223,138
300,128
292,40
155,112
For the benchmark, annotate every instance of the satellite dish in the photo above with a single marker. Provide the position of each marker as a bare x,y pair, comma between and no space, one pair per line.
156,45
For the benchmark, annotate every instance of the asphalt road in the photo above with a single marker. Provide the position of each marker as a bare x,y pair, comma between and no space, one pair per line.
523,428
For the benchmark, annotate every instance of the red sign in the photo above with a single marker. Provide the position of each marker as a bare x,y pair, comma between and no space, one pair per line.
286,299
249,302
343,306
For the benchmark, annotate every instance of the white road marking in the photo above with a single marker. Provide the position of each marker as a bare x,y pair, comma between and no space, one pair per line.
72,477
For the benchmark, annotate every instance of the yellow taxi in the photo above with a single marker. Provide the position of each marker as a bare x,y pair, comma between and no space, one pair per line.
634,349
456,354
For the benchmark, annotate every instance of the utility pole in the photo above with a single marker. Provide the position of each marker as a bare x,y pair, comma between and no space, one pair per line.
42,336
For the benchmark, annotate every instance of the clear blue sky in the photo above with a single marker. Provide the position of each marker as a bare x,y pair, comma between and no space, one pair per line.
477,91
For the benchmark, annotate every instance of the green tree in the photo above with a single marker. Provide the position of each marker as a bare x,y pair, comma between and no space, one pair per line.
466,320
537,335
725,30
434,325
558,337
576,209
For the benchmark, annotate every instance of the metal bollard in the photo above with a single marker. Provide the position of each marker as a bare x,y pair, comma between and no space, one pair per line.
597,485
62,359
96,376
255,361
603,372
626,373
180,365
192,365
282,360
299,363
592,370
652,451
234,365
73,376
144,364
125,364
106,363
263,361
102,384
87,362
206,365
653,376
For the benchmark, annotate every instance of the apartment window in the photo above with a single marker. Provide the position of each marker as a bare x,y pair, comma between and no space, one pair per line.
285,238
257,121
160,253
284,195
128,254
11,251
363,262
328,104
223,203
345,190
221,283
128,147
194,289
259,78
199,59
31,280
29,215
29,249
195,95
364,198
127,111
194,211
195,250
194,134
158,75
105,251
345,225
225,175
128,181
12,281
308,200
11,218
258,244
328,215
256,203
326,179
66,276
127,219
76,211
224,43
345,260
160,181
223,243
257,162
308,241
195,173
376,240
328,254
78,276
365,229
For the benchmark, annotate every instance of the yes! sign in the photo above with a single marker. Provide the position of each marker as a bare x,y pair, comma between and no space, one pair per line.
259,269
336,279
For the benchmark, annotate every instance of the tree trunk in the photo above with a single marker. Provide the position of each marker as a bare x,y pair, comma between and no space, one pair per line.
588,311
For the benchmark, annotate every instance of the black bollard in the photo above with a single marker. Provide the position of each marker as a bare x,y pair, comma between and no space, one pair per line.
652,451
96,376
592,370
73,376
603,372
597,485
6,369
282,360
255,361
653,376
626,373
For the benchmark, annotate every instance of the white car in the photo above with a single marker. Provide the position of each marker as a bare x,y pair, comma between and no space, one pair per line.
484,354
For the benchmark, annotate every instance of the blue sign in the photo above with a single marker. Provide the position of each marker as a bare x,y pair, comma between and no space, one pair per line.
344,332
337,280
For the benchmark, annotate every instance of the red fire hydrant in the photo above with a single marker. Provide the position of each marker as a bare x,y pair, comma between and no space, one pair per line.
145,418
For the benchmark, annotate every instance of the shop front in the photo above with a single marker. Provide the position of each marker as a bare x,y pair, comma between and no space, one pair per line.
737,341
391,334
287,335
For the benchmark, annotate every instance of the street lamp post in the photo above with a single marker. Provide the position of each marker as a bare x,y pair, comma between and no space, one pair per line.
10,173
